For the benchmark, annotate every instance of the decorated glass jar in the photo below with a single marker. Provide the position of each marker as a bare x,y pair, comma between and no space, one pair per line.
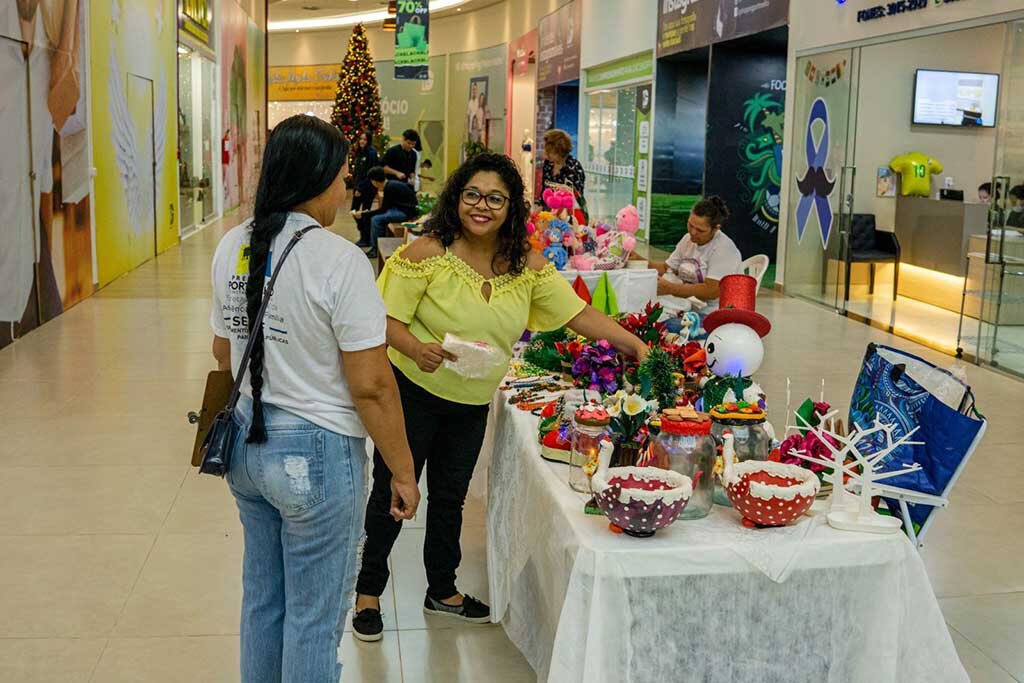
589,429
746,423
685,445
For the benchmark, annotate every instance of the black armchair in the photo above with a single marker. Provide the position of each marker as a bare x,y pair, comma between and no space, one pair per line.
868,245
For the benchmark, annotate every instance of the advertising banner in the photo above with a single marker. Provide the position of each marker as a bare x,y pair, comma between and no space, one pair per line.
243,119
687,24
744,146
135,113
418,105
559,59
476,102
635,68
45,228
304,83
641,185
195,17
412,40
519,52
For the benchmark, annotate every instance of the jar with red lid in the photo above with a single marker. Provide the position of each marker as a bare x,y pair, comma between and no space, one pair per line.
687,447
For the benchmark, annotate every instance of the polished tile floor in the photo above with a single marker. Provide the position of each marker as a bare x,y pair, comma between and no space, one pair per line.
118,563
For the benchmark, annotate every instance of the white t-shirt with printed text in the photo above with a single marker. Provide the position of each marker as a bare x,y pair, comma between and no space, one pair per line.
325,301
694,263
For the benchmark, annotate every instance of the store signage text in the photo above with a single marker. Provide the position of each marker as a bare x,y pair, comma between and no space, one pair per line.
196,17
893,9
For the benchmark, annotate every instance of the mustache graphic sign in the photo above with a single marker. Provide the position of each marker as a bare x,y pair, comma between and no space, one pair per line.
816,187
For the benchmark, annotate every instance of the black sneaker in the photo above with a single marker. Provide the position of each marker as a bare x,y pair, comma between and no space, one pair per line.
367,625
471,609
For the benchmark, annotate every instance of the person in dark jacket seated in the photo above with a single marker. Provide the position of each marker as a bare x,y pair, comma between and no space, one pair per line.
398,204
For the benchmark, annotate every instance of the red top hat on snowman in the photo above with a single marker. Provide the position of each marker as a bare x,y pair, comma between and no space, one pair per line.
737,297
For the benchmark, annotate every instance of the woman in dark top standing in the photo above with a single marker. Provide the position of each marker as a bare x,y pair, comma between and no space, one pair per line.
560,166
364,157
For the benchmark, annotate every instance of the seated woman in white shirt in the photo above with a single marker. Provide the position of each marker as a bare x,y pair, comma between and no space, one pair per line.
702,258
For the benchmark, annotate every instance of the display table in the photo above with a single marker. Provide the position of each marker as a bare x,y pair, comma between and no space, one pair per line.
705,600
634,287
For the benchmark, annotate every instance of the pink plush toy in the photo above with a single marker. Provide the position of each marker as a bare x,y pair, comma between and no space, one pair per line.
582,262
557,200
628,219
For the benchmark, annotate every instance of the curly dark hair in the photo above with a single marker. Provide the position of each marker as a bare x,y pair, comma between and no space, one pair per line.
445,224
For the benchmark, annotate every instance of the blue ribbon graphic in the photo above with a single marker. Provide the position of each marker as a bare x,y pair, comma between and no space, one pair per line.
816,187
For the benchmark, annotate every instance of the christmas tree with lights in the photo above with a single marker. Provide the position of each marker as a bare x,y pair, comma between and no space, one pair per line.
357,98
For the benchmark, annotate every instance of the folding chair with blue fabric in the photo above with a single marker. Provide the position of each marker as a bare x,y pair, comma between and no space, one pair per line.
902,389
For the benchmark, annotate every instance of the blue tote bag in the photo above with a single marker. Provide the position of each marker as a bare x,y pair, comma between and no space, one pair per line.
902,389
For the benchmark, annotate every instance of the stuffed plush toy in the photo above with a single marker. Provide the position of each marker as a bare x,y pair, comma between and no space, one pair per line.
557,254
628,220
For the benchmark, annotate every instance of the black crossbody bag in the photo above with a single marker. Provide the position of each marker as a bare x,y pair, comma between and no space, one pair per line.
216,439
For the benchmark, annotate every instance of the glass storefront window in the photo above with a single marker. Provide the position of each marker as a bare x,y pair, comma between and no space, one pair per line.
196,101
608,151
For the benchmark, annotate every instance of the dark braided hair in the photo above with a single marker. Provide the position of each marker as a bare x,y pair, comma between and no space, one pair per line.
303,157
714,209
444,222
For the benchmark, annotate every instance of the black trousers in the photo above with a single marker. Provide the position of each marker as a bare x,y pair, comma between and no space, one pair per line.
446,438
364,202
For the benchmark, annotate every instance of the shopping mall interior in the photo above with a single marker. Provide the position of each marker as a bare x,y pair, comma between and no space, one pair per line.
864,291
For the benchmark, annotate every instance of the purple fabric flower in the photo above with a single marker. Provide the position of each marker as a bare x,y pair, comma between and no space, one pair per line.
597,367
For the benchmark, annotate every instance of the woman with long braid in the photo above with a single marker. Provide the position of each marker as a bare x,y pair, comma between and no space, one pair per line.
319,382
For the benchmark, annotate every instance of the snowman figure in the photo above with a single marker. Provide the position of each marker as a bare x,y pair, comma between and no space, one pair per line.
733,346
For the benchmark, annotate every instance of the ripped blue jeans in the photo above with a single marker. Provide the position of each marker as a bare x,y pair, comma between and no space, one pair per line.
300,497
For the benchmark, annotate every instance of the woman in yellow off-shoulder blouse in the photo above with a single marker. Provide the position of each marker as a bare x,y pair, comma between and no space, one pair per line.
473,275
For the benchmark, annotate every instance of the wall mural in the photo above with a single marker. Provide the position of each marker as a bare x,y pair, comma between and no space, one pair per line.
745,124
45,230
761,155
133,75
243,118
816,185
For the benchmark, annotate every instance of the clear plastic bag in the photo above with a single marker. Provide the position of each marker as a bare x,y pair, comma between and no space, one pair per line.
476,360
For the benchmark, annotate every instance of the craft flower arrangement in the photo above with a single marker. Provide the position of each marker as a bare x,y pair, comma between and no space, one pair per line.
630,413
598,367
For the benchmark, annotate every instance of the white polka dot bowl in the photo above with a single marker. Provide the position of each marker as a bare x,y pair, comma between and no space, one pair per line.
767,493
639,500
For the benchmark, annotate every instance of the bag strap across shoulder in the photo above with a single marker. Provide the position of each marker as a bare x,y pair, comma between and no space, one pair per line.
267,293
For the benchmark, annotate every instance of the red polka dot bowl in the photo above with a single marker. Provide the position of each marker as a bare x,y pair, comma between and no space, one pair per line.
769,493
641,500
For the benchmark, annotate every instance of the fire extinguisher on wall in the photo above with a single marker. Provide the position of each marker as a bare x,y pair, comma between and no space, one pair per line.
225,148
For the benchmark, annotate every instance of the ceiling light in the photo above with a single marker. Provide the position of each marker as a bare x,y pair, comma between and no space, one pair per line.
343,20
182,50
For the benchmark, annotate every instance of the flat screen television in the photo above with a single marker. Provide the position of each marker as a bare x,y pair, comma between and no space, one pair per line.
955,98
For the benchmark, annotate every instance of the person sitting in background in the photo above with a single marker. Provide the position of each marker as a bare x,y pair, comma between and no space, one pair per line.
985,193
702,258
397,205
400,160
364,157
1015,216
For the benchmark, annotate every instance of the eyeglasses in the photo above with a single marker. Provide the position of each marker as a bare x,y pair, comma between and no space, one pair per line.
494,201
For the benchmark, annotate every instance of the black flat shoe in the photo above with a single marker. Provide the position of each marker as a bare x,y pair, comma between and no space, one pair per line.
371,254
367,625
471,610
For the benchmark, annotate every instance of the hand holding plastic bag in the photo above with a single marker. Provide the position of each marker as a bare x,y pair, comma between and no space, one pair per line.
473,359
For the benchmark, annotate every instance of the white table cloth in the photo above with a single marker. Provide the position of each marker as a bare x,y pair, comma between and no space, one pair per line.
634,287
705,600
